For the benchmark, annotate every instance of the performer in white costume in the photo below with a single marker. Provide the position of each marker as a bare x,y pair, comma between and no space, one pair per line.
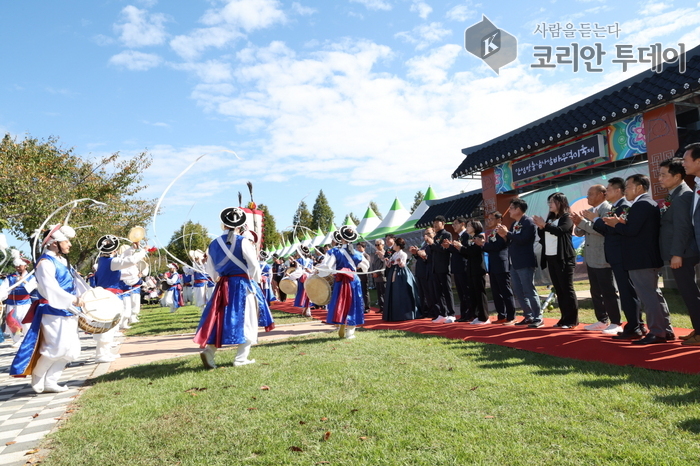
52,340
173,297
109,276
19,299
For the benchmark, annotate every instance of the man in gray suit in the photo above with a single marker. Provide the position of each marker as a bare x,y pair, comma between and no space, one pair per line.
606,303
677,238
691,164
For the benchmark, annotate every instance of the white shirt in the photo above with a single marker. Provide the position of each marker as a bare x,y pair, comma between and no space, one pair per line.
551,242
399,258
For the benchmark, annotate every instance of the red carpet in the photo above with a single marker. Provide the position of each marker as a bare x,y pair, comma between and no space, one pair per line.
575,344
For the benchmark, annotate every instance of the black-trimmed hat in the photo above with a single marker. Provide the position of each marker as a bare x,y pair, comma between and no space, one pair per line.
264,255
348,233
336,237
108,243
303,250
233,217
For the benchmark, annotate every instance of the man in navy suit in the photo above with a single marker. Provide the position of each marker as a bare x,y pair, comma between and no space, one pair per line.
520,240
691,163
499,271
642,256
614,240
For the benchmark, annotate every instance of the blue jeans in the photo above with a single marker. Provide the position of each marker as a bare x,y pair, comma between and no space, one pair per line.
524,291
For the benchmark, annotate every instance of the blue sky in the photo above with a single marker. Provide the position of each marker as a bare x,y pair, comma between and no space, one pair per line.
365,99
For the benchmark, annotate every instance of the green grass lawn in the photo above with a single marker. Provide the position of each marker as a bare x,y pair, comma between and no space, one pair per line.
156,320
385,398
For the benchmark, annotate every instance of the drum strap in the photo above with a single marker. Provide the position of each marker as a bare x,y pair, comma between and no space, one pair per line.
230,255
351,261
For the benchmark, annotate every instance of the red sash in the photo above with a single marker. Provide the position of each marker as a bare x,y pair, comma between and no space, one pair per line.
32,310
215,320
344,301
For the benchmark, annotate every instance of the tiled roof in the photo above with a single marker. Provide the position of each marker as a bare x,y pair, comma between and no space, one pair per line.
461,205
635,95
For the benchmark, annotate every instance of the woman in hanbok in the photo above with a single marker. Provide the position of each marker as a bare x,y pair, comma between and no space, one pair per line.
401,300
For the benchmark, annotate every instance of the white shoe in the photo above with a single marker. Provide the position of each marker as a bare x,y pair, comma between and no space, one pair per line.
38,383
439,319
208,358
480,322
306,313
449,320
613,329
475,321
55,389
598,326
125,327
104,359
244,363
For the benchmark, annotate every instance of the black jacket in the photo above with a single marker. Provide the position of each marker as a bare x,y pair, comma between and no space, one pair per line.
458,262
499,262
441,256
613,238
563,230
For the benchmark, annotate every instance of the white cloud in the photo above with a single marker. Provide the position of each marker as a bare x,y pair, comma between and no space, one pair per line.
247,14
159,124
422,8
460,12
328,115
424,35
211,71
227,24
649,29
135,61
374,4
654,8
434,66
301,10
139,28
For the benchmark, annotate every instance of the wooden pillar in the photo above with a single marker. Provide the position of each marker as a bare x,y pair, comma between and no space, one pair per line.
662,143
493,201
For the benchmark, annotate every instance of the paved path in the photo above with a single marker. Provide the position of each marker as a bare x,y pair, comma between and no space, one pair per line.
26,417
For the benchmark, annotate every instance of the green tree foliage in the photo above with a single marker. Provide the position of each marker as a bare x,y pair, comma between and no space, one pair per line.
354,218
373,205
302,217
270,235
322,214
189,237
417,199
36,177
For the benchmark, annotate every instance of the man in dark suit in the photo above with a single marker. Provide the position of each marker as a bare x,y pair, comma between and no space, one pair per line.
499,271
691,163
677,238
441,269
520,240
424,274
458,265
642,257
631,307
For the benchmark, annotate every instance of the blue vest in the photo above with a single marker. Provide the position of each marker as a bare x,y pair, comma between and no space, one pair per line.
19,295
106,277
65,281
222,264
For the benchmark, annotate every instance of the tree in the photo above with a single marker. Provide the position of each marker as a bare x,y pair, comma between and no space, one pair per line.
189,237
36,177
270,235
373,205
417,199
302,217
353,218
322,215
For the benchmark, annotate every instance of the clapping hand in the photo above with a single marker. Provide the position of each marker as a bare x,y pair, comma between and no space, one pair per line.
576,218
614,220
539,221
588,215
502,230
457,244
